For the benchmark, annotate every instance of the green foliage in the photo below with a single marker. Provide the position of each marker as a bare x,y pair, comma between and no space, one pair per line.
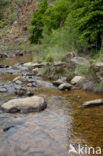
82,70
50,17
12,17
49,59
87,17
37,23
55,16
3,3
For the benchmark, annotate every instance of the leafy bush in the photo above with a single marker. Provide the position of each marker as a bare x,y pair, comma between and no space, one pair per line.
37,23
55,16
49,17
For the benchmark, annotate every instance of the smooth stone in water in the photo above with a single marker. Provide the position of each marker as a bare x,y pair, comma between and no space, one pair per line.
92,103
3,90
28,104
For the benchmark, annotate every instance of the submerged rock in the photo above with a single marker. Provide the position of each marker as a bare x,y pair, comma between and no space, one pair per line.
28,104
64,86
92,103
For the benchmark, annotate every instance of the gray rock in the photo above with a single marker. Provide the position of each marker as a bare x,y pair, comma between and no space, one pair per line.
64,86
79,61
35,71
77,79
3,56
92,103
35,65
32,84
28,104
20,91
19,79
59,63
3,90
19,53
4,66
59,81
98,69
88,85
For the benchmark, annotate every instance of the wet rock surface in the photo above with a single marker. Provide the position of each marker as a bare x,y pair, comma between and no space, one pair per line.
92,103
3,89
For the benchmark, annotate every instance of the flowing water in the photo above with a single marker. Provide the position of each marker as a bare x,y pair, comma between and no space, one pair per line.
50,132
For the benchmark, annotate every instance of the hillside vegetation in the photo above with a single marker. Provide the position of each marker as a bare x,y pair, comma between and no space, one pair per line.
15,17
54,27
68,26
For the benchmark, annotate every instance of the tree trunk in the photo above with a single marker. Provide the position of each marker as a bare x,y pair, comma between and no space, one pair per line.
99,41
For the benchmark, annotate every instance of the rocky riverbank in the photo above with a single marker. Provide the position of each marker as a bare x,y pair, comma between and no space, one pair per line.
77,71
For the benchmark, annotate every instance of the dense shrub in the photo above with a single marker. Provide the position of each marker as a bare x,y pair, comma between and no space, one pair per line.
51,17
37,23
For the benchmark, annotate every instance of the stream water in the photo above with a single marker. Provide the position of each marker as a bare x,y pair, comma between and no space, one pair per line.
50,132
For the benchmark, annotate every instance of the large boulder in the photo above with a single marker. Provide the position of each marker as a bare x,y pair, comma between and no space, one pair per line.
92,103
74,62
28,104
77,80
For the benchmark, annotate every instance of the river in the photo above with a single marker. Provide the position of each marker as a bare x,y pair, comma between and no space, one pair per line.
50,132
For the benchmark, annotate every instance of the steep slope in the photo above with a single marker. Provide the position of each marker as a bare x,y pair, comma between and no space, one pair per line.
17,19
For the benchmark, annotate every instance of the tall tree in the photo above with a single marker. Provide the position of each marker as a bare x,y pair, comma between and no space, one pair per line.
37,23
88,19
